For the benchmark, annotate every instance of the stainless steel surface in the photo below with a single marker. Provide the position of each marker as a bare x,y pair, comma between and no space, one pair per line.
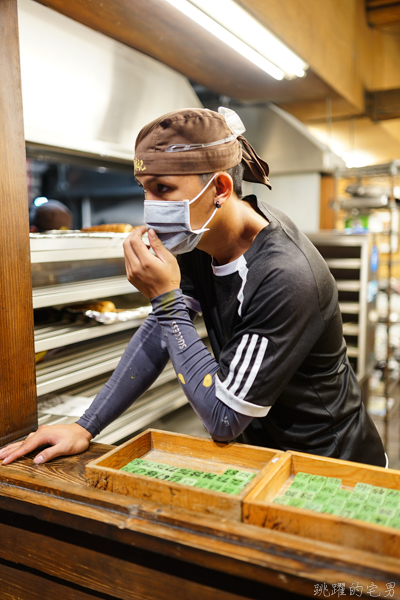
384,170
354,297
351,329
48,337
156,406
353,352
75,364
98,92
85,355
286,142
75,246
81,290
361,203
157,402
348,286
349,308
343,263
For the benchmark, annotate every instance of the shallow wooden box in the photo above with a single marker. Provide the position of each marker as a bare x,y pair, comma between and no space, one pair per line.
258,507
182,451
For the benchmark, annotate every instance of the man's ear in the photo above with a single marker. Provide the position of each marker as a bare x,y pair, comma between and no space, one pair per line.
223,187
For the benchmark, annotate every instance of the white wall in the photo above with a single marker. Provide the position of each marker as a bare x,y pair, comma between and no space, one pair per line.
297,195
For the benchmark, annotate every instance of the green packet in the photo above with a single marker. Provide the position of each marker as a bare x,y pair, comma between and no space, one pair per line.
232,481
366,502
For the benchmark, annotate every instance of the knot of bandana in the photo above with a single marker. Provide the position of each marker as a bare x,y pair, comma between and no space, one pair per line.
255,168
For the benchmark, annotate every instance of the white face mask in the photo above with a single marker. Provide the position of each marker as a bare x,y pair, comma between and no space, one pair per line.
171,222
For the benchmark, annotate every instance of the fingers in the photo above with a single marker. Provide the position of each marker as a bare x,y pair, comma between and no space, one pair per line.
50,453
65,440
136,249
141,265
7,450
11,448
152,274
132,246
18,449
62,439
158,247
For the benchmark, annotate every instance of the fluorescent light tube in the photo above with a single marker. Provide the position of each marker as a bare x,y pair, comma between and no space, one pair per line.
224,35
239,22
229,22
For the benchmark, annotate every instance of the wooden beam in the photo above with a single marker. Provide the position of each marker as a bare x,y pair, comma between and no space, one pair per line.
381,14
383,105
324,34
332,107
158,29
379,3
18,412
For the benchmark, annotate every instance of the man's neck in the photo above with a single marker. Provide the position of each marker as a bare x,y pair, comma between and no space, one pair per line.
233,232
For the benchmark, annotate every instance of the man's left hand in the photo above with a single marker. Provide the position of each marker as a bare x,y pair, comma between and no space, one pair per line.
151,275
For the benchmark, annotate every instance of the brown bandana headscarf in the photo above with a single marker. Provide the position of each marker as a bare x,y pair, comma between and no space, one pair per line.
195,126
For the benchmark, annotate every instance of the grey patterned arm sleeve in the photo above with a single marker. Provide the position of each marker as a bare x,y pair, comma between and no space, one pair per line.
142,362
196,368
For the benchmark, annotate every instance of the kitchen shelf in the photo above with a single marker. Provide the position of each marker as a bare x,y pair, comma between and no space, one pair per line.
353,352
364,187
61,247
349,308
76,364
343,263
351,329
348,286
60,334
153,405
349,259
157,405
82,355
66,293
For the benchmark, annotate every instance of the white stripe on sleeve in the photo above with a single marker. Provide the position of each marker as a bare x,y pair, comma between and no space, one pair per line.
244,365
236,359
225,390
255,368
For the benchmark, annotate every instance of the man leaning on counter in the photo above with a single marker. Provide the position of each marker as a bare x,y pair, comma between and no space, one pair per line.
279,375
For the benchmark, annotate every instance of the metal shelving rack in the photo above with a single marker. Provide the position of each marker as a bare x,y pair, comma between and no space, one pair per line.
69,268
347,257
387,175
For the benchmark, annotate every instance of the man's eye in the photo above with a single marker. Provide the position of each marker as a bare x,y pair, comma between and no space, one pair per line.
162,188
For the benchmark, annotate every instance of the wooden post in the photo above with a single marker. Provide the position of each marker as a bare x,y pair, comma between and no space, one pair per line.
326,213
18,404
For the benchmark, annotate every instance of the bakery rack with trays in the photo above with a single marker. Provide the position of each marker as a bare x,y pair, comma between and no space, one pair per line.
75,267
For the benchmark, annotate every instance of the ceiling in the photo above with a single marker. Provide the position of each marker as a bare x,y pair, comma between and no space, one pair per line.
350,96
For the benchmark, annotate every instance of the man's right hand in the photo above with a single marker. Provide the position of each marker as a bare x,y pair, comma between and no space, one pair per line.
63,440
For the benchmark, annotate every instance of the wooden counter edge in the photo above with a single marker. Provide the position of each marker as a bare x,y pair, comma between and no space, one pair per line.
266,556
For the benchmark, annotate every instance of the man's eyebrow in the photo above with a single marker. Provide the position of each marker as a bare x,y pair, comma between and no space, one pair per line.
151,179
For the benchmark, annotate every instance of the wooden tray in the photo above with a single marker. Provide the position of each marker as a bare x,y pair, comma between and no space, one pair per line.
258,507
181,451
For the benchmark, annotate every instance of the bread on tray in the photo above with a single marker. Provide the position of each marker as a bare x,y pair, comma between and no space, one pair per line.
97,305
110,227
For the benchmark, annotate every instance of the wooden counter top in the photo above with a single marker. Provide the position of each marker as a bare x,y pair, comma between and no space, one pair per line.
60,538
